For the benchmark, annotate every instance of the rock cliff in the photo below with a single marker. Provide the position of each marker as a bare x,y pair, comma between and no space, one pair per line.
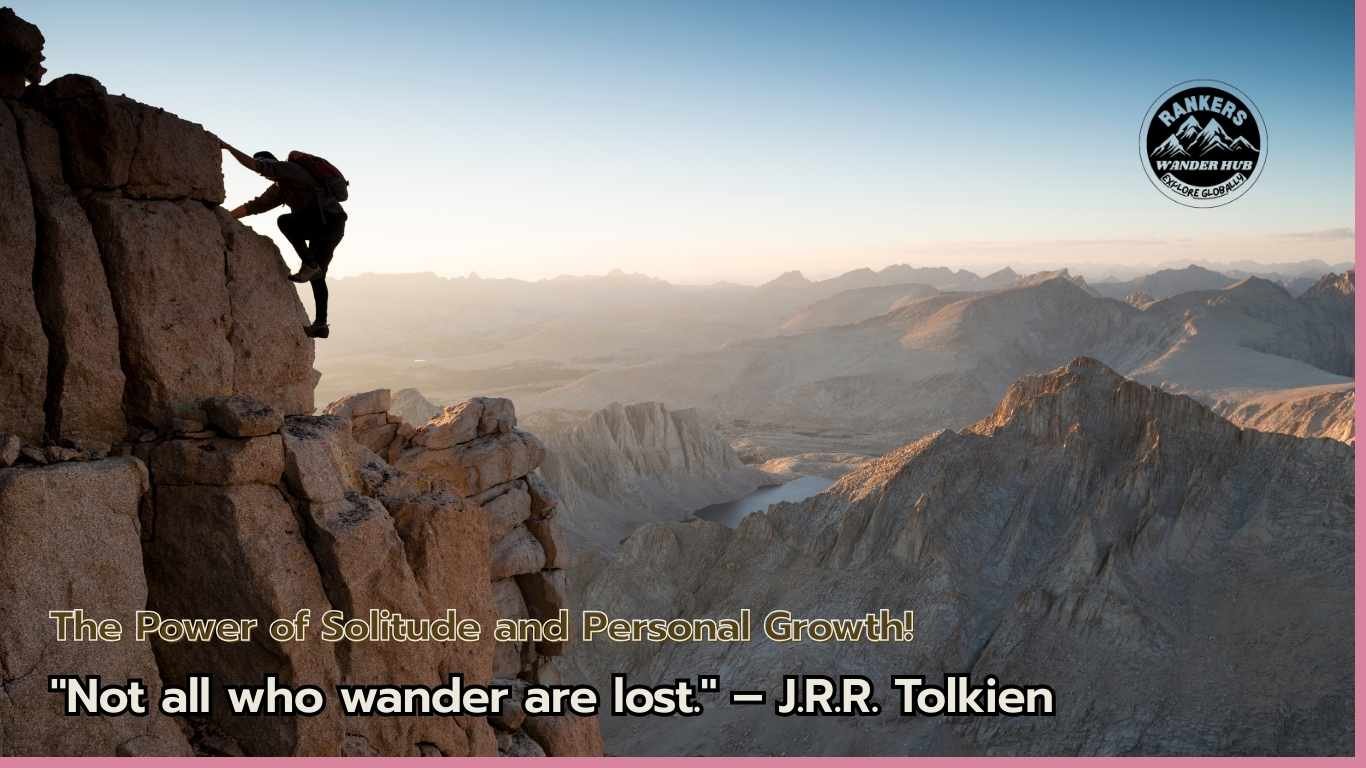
626,465
157,450
1185,586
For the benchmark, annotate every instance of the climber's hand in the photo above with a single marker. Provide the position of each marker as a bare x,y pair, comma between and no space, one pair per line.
238,212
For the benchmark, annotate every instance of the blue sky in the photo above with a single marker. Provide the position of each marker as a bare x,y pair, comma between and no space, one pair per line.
706,140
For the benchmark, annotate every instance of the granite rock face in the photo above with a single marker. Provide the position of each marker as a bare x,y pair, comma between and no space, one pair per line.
23,367
85,388
134,296
157,451
66,535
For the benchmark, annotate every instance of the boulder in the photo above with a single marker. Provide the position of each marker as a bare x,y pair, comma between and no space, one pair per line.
378,438
23,366
144,152
360,404
242,416
516,553
566,735
456,424
69,538
174,158
219,461
369,421
465,421
238,551
320,458
553,541
507,506
164,263
544,500
85,390
273,359
499,415
474,467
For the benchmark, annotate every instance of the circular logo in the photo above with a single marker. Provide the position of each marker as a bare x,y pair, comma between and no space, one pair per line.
1203,143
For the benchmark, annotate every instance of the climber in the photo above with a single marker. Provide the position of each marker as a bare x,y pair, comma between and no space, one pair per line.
316,222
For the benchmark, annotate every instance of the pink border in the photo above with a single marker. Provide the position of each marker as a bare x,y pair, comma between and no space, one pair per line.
1360,176
938,762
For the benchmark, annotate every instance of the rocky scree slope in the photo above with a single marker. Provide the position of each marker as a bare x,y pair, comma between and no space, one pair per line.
1184,585
156,451
1328,411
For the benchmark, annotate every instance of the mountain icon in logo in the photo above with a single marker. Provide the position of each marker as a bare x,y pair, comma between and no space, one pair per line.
1170,147
1203,143
1190,139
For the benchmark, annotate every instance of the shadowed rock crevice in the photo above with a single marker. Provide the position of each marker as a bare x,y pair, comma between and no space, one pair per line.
23,367
42,289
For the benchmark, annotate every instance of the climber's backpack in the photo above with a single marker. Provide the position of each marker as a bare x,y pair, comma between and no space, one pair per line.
326,174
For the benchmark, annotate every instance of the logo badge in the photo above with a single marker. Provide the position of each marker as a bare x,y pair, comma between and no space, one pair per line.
1203,143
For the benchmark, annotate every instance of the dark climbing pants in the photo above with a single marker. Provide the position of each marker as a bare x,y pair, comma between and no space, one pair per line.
315,237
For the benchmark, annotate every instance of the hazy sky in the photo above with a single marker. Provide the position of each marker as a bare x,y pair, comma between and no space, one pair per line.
702,140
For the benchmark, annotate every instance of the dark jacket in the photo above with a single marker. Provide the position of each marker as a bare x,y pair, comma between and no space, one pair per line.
293,187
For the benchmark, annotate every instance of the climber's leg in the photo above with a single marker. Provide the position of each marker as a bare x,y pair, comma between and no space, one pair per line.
319,284
299,230
326,240
296,232
324,246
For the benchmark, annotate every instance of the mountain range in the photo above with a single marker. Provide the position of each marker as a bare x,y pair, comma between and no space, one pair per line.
957,352
454,338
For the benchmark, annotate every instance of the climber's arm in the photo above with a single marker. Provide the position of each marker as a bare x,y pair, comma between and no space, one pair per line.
268,199
247,161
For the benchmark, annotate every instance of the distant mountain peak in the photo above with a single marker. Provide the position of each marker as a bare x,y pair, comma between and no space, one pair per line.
1255,288
1333,285
790,279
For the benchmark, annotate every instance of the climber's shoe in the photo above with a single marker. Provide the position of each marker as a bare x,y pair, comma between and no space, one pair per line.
306,272
317,331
